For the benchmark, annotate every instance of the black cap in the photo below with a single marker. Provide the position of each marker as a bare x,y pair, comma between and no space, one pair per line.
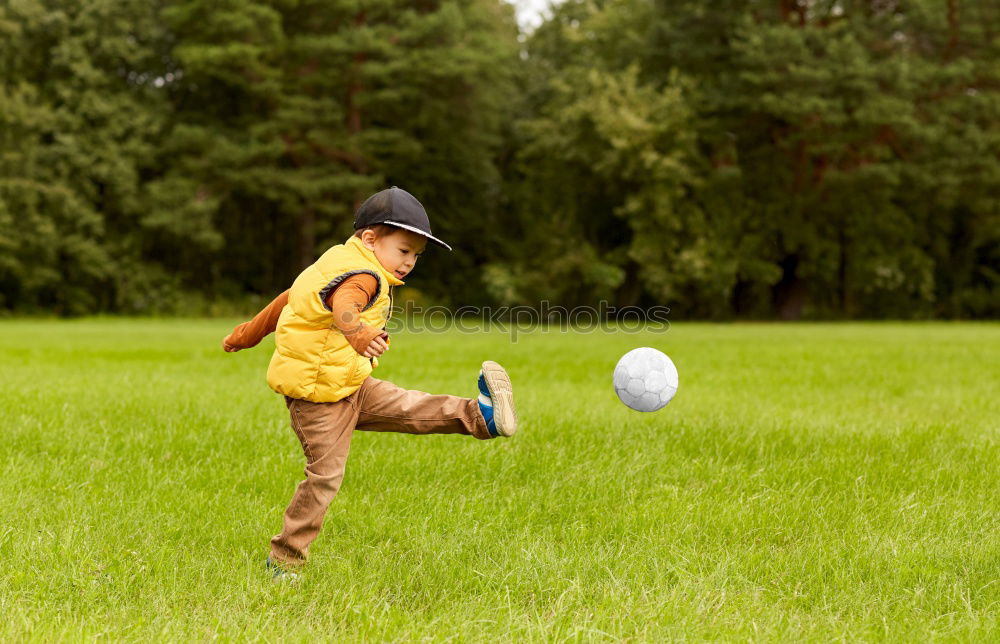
395,207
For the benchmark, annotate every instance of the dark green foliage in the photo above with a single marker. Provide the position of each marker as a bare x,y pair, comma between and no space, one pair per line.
851,140
779,158
78,122
289,114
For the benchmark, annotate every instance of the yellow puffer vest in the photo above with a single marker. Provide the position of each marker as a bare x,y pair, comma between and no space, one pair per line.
312,359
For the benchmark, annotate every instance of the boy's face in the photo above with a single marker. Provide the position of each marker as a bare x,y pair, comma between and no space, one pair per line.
397,252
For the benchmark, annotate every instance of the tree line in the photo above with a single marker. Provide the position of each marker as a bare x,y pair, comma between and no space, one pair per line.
734,159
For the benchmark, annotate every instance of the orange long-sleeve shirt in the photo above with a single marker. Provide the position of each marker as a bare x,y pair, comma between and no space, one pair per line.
346,303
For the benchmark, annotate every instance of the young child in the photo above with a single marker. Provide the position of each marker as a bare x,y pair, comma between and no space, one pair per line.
329,332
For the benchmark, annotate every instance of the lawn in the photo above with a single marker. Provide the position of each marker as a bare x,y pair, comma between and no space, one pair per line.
817,482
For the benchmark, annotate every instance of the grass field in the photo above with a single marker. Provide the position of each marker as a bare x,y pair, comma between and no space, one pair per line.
820,482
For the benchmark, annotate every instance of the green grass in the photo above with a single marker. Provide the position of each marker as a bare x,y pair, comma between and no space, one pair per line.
820,482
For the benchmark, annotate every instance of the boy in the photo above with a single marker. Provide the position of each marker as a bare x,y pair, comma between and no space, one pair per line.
329,332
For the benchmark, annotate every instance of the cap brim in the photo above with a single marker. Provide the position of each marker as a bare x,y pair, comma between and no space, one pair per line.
414,229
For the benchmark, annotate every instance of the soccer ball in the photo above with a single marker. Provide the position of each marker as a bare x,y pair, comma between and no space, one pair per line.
645,379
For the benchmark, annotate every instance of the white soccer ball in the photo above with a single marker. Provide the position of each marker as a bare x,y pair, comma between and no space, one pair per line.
645,379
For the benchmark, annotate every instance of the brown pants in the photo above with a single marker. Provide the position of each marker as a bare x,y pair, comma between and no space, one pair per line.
325,430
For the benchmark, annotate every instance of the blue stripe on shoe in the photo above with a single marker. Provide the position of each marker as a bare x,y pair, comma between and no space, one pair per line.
483,389
487,412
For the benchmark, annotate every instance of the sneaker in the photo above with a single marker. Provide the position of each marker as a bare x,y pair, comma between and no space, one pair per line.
279,574
496,400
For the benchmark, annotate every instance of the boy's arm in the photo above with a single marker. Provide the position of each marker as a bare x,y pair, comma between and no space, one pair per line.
347,301
249,334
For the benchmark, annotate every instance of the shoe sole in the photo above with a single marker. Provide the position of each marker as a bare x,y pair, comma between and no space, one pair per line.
502,393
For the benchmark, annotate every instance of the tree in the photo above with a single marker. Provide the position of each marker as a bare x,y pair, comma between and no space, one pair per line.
78,122
838,117
605,162
289,114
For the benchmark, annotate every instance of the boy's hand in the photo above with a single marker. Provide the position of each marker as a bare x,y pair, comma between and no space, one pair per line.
227,347
377,346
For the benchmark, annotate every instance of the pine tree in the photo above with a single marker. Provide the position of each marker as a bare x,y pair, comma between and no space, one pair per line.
290,114
820,119
78,121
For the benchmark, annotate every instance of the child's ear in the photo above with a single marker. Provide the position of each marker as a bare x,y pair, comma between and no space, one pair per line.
368,238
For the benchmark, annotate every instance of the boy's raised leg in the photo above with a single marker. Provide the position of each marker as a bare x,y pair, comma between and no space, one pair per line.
384,407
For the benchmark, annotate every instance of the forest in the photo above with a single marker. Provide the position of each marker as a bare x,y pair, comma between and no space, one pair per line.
739,159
